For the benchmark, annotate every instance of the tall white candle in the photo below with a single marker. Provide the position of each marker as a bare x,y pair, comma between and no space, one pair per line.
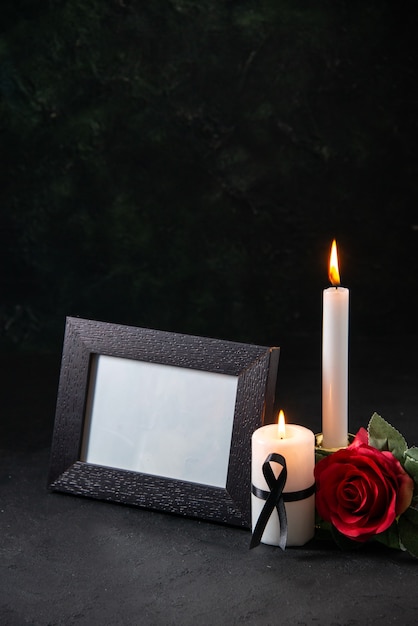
297,446
335,359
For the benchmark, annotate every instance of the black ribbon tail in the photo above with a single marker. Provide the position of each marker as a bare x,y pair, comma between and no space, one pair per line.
274,500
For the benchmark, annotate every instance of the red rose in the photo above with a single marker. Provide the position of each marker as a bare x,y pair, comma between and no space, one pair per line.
361,490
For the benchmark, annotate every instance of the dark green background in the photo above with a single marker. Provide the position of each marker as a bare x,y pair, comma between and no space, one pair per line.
184,165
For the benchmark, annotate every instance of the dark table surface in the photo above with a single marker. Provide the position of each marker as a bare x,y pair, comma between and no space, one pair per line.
66,560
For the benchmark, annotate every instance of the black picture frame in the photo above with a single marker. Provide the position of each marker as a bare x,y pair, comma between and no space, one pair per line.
256,369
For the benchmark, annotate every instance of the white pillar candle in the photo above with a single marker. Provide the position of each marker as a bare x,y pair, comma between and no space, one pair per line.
335,360
297,446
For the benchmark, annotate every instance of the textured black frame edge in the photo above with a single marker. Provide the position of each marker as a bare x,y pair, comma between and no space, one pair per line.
256,369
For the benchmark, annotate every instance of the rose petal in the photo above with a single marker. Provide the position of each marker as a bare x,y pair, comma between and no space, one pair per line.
361,437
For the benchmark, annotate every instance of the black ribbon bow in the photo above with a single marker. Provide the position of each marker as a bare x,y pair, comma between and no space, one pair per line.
275,498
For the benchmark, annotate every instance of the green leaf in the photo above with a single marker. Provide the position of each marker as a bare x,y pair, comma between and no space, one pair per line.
410,462
390,537
384,436
408,534
411,514
413,453
345,543
323,531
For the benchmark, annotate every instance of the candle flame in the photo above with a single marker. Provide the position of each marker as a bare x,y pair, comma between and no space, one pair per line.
281,426
334,274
